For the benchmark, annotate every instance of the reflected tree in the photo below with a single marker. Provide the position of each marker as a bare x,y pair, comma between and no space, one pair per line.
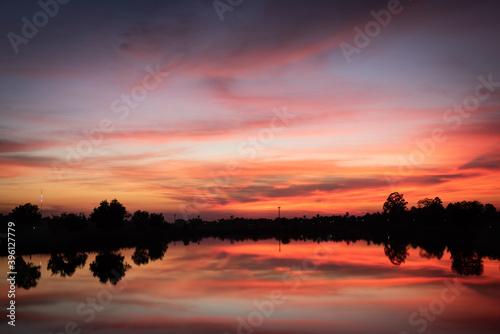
27,274
430,255
431,250
109,266
396,252
285,240
157,251
151,252
467,263
140,256
66,264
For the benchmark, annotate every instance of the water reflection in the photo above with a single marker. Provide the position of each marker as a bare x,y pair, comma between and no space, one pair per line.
28,274
109,267
150,252
466,262
206,286
397,252
65,264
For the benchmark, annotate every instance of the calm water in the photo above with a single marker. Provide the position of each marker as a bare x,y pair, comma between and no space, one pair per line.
258,287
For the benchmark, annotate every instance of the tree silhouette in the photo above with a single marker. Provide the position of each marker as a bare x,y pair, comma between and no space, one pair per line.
27,274
66,264
140,218
430,211
108,266
67,221
490,213
156,220
143,219
25,216
109,215
427,202
465,212
395,205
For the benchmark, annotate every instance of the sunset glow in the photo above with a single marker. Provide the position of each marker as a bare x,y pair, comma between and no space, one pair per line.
169,109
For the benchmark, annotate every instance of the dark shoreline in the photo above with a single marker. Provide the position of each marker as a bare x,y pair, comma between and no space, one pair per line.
483,239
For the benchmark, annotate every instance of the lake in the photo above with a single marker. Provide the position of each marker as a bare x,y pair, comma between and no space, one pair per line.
218,286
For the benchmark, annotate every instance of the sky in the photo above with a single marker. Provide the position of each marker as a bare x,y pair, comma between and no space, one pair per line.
219,108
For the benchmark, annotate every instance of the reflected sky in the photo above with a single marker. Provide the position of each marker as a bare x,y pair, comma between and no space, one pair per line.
301,287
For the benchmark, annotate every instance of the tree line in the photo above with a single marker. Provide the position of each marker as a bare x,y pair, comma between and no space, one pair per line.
113,215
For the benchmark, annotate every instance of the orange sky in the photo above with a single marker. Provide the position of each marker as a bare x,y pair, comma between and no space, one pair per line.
169,110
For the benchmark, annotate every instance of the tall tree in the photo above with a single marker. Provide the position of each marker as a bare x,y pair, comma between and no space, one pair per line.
109,215
395,204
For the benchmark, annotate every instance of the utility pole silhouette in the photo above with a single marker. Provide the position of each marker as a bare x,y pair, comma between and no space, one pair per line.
279,212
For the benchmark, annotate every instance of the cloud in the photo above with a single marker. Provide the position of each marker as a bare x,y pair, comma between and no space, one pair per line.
256,41
26,145
488,161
